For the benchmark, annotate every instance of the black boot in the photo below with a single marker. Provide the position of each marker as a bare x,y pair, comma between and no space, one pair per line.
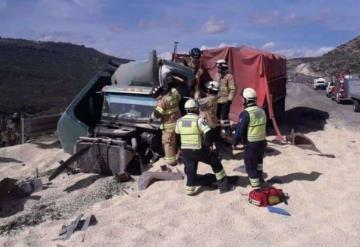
228,132
225,186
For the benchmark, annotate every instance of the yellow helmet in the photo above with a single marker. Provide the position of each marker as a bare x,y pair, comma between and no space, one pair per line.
249,93
191,104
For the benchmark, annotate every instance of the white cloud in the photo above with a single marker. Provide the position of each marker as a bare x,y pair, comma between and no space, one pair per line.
321,51
305,52
272,18
268,45
70,37
214,26
221,45
166,55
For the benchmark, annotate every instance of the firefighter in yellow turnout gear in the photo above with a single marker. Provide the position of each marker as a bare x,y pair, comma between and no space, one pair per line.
193,134
208,105
167,109
226,95
208,108
251,129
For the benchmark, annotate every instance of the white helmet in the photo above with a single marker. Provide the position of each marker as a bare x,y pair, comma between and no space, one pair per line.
212,85
191,104
221,63
249,93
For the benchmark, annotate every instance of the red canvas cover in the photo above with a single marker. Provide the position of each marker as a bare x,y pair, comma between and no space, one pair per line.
263,71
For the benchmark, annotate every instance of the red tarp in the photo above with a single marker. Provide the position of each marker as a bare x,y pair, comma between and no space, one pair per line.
263,71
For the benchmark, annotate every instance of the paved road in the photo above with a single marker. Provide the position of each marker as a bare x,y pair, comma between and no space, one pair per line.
319,106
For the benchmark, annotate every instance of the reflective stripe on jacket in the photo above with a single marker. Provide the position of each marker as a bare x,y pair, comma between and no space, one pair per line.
257,125
168,107
208,106
227,87
191,129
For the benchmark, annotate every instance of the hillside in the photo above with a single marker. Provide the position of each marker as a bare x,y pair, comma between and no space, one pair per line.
44,76
343,57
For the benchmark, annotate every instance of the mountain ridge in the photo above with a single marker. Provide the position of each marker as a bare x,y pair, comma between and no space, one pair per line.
344,57
43,77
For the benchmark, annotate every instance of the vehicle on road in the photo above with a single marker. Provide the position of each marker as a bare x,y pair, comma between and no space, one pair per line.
329,88
319,83
340,91
354,91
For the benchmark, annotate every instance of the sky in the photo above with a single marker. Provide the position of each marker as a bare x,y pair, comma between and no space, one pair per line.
132,28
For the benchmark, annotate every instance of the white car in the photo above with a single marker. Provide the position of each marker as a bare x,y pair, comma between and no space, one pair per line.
319,83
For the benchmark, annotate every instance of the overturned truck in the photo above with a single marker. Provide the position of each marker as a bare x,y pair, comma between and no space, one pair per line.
109,118
107,128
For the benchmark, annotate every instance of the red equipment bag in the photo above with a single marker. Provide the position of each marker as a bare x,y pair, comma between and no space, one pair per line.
266,196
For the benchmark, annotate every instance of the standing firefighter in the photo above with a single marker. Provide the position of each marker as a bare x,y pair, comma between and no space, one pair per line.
193,62
168,110
252,130
209,105
226,94
192,129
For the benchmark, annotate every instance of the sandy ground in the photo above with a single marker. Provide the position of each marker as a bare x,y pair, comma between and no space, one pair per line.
324,196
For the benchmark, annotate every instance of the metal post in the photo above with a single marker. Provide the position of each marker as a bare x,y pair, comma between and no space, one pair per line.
175,51
22,130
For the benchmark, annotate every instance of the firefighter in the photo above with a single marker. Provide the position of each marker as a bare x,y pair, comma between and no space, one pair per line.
226,94
193,62
208,107
192,129
168,111
251,129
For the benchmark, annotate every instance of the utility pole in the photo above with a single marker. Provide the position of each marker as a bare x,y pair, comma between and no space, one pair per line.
175,51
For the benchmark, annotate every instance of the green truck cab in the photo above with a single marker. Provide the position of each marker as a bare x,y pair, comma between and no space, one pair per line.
116,106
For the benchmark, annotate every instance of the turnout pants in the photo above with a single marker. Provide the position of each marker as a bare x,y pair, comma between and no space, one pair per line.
254,154
170,147
223,114
216,138
191,159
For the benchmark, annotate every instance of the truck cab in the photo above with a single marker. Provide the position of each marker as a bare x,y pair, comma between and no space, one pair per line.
116,106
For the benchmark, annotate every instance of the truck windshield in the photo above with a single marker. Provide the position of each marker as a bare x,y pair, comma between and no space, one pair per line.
135,107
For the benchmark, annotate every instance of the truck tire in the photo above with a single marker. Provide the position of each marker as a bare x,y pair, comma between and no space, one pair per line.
279,110
356,105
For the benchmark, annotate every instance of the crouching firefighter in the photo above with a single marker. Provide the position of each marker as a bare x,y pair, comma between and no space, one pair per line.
168,110
192,129
251,129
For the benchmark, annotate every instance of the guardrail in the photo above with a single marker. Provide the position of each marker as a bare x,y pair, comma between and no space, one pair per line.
38,125
302,78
